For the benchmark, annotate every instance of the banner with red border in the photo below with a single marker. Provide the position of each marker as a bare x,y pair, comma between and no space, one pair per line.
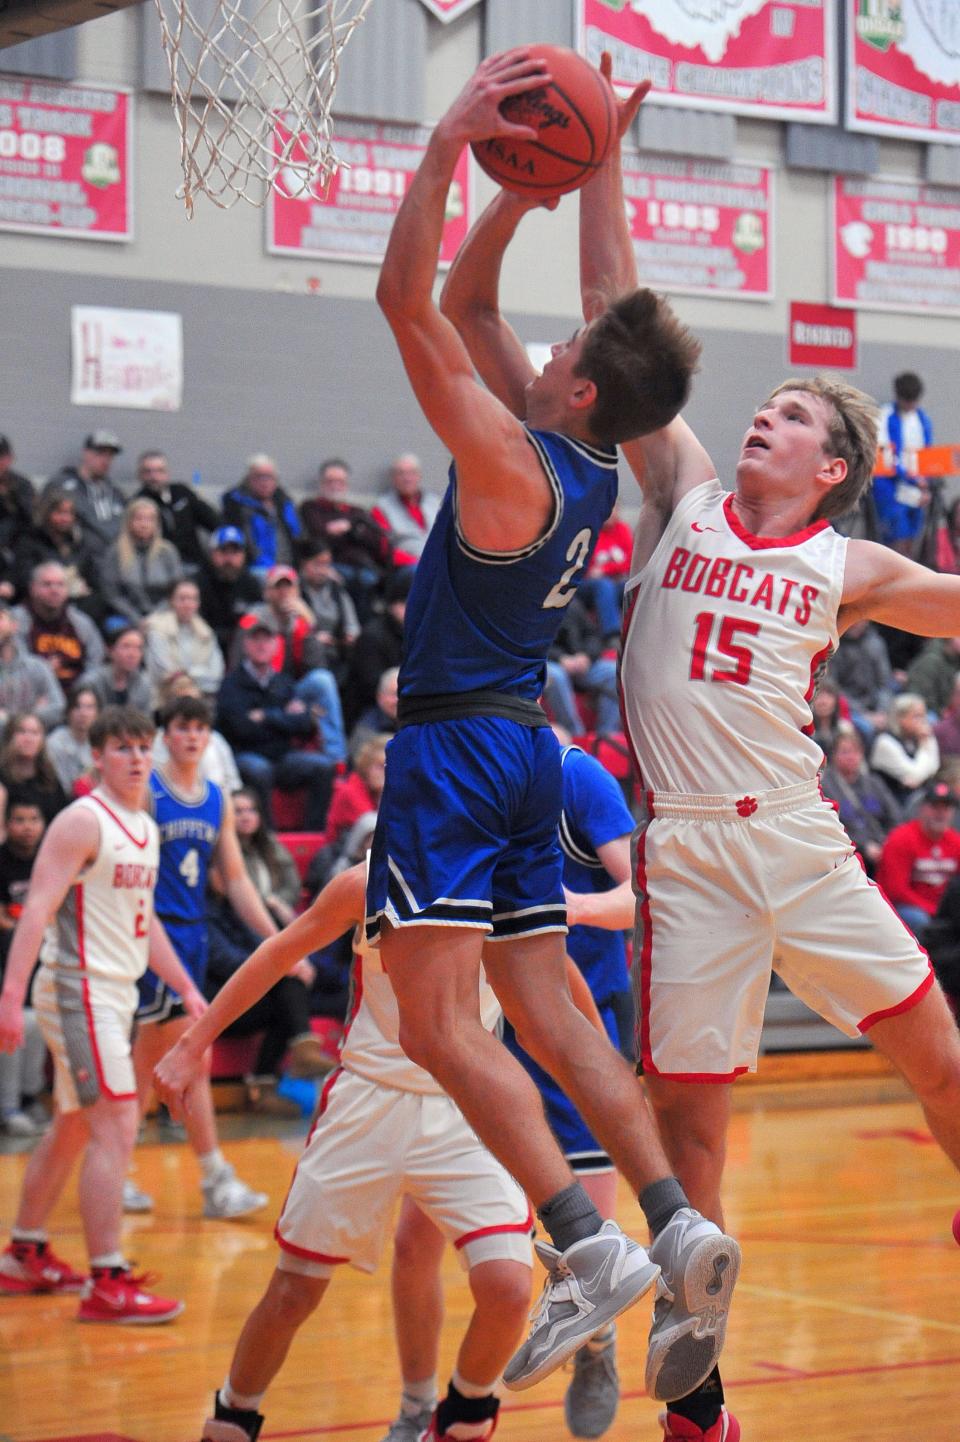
66,158
772,58
701,227
351,218
903,68
895,245
822,336
447,10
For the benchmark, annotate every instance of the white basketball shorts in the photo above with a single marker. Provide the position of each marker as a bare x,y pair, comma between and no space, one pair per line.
373,1143
730,887
88,1037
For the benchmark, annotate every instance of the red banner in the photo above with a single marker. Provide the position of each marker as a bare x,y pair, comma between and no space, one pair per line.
351,219
447,10
65,160
751,57
903,68
701,227
896,245
821,335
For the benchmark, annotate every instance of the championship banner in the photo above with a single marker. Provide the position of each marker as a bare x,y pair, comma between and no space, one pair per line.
896,246
701,227
770,58
903,68
129,358
822,336
351,218
447,10
65,160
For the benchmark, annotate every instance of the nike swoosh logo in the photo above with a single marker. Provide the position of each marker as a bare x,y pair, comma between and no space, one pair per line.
696,526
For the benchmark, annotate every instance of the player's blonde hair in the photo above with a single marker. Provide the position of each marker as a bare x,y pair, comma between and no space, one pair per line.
852,431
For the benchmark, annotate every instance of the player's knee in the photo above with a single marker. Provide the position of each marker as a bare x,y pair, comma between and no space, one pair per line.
293,1296
425,1044
502,1289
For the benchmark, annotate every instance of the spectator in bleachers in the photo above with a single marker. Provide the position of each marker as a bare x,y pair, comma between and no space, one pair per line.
16,510
406,511
262,718
828,708
264,514
920,857
184,514
334,614
934,671
942,940
906,755
609,568
139,568
865,804
55,630
26,682
269,864
120,679
360,548
217,763
228,588
359,793
178,639
947,556
23,1072
26,771
68,746
861,668
380,719
947,729
55,535
580,662
900,499
378,647
99,502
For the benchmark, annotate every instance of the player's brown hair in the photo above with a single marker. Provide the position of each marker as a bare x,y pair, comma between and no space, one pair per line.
186,708
852,432
120,723
642,360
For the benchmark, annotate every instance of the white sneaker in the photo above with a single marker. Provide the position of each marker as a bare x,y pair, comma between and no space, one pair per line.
699,1269
18,1124
226,1196
406,1428
587,1286
134,1200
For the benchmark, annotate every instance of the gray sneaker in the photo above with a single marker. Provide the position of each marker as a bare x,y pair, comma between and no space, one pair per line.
227,1197
408,1429
587,1286
699,1269
594,1392
134,1200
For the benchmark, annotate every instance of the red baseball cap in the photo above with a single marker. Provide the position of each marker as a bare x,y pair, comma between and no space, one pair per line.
276,574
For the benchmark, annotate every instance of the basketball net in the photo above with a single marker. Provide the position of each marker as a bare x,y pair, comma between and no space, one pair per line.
237,68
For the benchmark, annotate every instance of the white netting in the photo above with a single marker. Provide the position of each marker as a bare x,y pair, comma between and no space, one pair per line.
237,67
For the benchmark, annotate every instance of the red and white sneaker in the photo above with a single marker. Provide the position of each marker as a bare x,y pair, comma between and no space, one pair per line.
463,1431
681,1429
115,1294
31,1267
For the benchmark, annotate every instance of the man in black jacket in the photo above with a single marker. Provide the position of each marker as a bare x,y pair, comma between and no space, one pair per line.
264,720
228,588
183,512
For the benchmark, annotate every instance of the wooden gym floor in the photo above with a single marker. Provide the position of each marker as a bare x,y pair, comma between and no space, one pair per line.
846,1325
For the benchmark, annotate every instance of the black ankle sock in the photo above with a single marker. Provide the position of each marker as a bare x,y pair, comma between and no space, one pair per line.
248,1418
569,1216
661,1201
457,1408
701,1407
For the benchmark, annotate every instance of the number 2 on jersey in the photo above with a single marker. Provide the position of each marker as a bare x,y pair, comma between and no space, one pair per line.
726,645
578,553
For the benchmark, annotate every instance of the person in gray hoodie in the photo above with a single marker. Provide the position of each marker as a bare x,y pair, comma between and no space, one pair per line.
26,682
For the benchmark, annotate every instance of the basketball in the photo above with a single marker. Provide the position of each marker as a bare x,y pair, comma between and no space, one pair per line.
575,117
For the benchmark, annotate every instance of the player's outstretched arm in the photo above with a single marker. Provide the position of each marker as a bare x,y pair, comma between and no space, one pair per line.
881,585
339,907
69,846
471,300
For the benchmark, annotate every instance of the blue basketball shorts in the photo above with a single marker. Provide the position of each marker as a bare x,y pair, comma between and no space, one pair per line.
159,1002
467,830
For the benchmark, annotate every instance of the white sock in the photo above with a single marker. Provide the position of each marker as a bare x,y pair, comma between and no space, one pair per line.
603,1339
28,1234
210,1164
239,1400
418,1397
109,1259
473,1389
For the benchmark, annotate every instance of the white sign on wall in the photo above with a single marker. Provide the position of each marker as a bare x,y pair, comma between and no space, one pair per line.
128,358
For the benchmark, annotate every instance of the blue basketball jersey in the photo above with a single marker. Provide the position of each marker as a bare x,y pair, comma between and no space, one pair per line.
484,620
188,835
594,812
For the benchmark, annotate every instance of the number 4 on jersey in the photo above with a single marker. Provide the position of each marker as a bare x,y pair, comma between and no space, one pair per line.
725,645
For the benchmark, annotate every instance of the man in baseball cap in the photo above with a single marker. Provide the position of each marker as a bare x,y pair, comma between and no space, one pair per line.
228,588
921,857
228,537
98,501
102,441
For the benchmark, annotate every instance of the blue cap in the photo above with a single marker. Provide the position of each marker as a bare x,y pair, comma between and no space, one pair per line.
229,536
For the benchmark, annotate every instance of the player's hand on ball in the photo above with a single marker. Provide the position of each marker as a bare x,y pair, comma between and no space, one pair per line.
476,114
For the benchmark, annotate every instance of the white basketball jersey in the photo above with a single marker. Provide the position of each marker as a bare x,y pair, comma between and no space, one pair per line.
725,635
102,927
371,1046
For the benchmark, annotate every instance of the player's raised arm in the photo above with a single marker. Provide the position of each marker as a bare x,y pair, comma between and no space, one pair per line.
881,585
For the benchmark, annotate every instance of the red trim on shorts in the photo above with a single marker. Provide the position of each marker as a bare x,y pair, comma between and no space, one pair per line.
701,1077
88,1008
128,834
767,543
305,1253
907,1005
493,1231
646,950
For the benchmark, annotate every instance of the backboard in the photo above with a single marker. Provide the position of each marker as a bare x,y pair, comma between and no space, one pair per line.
22,20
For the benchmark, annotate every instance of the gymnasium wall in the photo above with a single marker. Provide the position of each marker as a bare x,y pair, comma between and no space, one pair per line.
291,355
